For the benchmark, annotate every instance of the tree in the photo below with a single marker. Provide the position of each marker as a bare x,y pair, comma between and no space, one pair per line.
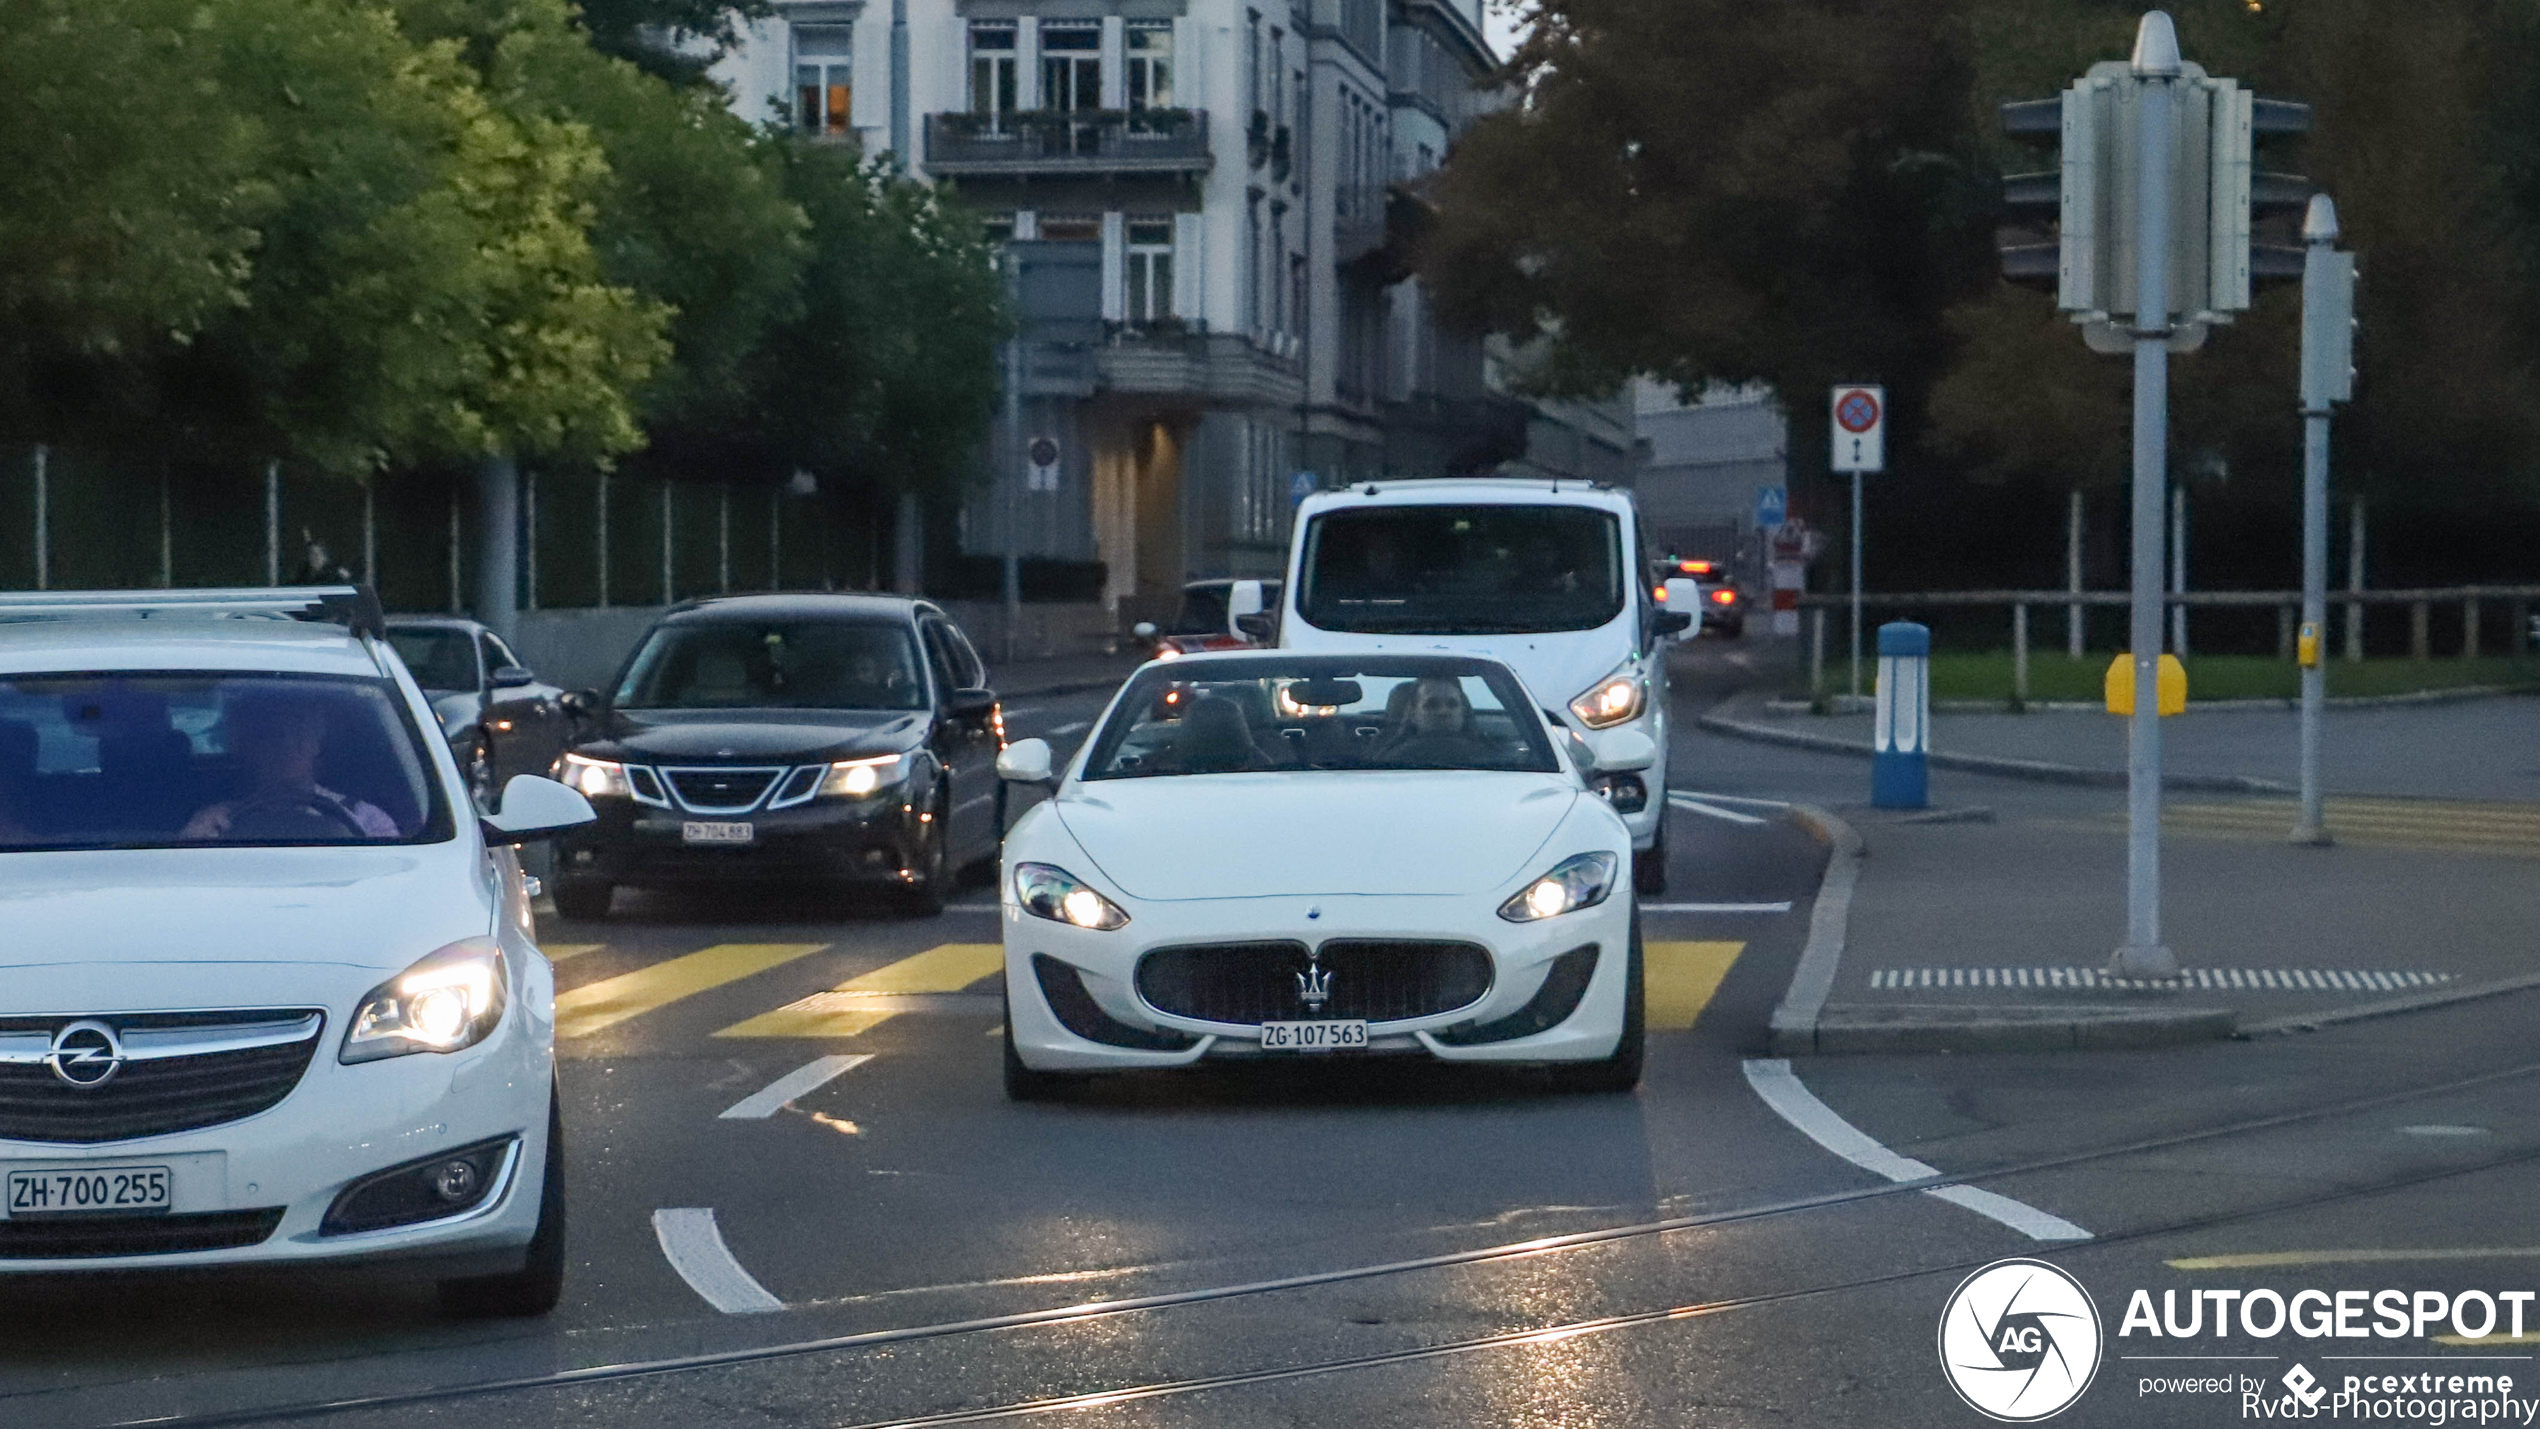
1706,190
670,39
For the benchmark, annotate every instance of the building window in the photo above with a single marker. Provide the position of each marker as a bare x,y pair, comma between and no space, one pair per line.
824,79
1071,68
1071,228
992,73
1150,49
999,227
1150,253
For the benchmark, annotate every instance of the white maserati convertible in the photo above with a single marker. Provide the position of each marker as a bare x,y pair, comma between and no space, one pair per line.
1272,854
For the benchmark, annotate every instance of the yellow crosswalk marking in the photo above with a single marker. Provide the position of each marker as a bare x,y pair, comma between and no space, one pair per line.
2465,825
862,1002
610,1001
1680,979
562,952
2281,1259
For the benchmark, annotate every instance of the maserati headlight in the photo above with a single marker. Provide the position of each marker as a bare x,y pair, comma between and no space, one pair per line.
593,778
449,1000
857,778
1612,700
1047,891
1581,881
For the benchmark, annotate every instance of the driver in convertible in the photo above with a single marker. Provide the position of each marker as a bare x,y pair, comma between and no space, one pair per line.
277,743
1436,727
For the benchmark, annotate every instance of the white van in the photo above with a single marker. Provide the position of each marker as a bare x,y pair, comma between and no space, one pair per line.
1546,576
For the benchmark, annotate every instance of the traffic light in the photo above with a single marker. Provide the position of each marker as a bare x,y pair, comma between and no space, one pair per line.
2073,230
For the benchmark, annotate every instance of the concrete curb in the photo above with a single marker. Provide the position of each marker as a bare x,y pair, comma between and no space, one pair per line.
1893,1028
2392,1007
1794,1027
2036,769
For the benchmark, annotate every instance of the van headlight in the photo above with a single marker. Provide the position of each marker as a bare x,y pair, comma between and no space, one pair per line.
1611,701
1047,891
593,778
451,999
1580,881
860,778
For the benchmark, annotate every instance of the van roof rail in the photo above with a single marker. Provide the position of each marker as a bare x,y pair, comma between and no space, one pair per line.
356,607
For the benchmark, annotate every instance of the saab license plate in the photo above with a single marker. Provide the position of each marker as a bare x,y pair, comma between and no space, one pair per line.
1312,1036
90,1191
703,833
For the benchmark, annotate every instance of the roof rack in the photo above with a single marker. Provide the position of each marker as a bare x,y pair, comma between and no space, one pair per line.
356,607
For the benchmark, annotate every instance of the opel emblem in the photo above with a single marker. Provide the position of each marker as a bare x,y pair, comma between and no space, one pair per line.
86,1055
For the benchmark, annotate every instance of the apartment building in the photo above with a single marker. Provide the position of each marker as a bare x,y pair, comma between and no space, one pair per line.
1209,203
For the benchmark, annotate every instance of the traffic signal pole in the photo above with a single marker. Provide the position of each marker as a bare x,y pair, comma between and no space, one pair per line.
2328,324
2156,65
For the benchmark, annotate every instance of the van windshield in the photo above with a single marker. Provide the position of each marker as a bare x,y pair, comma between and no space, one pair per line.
1462,570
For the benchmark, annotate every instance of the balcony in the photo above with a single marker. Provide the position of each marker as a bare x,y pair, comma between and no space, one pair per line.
1051,143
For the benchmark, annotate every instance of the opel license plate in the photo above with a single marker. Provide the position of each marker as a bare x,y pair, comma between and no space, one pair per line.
90,1191
1312,1036
696,832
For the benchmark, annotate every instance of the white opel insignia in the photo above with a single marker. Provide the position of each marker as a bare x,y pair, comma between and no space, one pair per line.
1267,854
268,994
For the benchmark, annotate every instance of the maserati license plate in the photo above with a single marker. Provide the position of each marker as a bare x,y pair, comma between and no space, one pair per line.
696,832
90,1191
1312,1036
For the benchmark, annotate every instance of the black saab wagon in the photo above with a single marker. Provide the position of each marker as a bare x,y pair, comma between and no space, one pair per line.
788,738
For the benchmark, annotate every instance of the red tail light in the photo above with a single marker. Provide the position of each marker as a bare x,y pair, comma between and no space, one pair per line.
1724,596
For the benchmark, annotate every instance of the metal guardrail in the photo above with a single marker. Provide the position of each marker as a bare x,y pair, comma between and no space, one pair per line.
1159,141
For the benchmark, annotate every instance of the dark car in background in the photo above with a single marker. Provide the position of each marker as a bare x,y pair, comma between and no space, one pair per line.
498,716
835,739
1209,619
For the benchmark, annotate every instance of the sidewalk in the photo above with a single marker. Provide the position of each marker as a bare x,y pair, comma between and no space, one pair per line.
2468,749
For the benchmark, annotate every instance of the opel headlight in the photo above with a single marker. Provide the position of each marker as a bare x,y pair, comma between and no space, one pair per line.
451,999
1574,883
857,778
593,778
1611,701
1048,891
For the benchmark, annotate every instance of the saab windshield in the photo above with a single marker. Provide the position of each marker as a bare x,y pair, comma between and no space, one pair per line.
1320,713
143,761
1462,570
777,664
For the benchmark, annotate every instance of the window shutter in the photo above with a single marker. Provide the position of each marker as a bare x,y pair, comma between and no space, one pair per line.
1115,268
1190,269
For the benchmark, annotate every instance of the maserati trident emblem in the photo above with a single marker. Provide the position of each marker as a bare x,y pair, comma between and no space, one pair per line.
85,1055
1314,985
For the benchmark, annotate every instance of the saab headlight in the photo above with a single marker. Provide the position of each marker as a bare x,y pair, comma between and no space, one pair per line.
859,778
450,1000
593,778
1581,881
1611,701
1047,891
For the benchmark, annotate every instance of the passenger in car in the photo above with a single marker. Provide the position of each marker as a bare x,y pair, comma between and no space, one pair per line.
277,742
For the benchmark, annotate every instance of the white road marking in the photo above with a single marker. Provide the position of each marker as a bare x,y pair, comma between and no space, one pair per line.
1021,711
1715,907
1696,806
693,1245
1781,1089
800,1082
1067,729
1727,798
970,908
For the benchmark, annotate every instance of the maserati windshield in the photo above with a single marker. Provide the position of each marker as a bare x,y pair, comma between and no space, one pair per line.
1321,713
134,760
1462,570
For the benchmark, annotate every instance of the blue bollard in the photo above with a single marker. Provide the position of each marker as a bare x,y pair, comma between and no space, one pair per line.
1900,733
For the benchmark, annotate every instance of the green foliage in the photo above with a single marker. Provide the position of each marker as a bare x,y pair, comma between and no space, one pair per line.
632,31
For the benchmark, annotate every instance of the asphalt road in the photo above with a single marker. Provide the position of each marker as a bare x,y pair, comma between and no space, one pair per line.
1348,1244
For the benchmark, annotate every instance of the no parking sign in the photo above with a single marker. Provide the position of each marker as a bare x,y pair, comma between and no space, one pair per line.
1860,428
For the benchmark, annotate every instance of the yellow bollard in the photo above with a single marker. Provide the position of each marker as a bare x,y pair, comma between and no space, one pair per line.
2170,693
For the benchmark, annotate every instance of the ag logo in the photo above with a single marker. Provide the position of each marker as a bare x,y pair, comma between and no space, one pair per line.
2019,1340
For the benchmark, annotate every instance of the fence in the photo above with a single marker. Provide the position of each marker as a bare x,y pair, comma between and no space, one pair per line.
2472,602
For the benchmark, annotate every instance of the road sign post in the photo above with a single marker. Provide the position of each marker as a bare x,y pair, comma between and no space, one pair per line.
1900,729
2328,351
1859,444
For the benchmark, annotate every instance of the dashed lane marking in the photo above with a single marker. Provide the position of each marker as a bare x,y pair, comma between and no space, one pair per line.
693,1244
870,999
606,1003
800,1082
1065,730
1783,907
1781,1089
1679,980
2244,979
562,952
